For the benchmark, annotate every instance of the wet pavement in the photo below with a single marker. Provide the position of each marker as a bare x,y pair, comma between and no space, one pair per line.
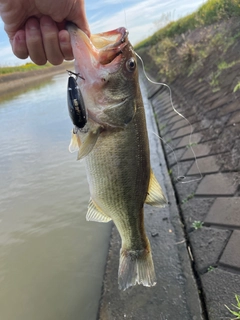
176,295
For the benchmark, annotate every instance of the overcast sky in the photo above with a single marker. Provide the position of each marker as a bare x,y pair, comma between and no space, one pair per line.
141,17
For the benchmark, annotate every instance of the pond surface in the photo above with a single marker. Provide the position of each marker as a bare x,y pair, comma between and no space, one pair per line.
51,260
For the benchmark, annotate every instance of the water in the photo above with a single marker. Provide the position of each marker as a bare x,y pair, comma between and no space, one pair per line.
51,260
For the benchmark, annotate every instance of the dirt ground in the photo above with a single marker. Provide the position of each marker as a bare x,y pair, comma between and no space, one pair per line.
203,69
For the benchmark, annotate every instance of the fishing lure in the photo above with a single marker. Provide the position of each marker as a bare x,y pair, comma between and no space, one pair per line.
76,106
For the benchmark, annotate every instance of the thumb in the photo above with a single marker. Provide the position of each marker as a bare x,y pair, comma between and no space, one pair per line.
78,16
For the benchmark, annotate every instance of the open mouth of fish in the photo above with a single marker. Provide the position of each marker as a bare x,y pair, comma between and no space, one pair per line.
98,62
100,49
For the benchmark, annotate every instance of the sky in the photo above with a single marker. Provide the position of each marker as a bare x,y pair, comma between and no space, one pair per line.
141,17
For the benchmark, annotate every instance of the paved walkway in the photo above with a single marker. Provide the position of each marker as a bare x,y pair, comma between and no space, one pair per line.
215,199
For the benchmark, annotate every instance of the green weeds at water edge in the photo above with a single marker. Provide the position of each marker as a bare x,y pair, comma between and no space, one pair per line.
23,68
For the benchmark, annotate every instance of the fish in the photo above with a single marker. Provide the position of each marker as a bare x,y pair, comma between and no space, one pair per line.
114,145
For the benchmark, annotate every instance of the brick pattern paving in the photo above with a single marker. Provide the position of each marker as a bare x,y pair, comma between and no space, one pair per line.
205,166
215,199
225,212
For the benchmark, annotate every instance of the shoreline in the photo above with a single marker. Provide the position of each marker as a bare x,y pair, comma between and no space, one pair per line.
19,82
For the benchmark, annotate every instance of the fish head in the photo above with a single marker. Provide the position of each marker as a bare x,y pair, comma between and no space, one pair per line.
108,80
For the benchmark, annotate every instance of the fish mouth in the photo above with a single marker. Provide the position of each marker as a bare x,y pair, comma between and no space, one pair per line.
100,49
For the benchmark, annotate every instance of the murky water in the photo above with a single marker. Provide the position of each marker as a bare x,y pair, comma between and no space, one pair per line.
51,260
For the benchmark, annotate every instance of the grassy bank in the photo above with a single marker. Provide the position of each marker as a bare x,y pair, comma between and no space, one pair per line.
209,13
203,45
22,68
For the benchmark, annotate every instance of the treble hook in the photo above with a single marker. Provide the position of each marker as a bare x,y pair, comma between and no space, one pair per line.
77,75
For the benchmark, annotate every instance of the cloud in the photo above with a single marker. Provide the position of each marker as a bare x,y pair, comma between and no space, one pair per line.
7,58
5,51
106,4
140,17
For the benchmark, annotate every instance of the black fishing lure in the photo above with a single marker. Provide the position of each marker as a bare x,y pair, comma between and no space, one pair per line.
76,106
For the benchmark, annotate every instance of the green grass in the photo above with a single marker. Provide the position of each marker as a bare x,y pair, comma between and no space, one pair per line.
190,196
192,144
210,12
210,268
224,65
197,225
237,87
23,68
235,312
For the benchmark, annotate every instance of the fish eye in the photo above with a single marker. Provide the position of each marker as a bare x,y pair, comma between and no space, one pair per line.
131,65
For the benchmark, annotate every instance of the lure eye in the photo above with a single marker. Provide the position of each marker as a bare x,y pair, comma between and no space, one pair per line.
76,106
131,65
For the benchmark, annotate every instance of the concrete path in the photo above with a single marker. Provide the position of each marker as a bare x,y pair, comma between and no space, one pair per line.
176,295
209,207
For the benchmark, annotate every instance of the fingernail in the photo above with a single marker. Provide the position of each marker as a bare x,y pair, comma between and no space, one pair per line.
32,26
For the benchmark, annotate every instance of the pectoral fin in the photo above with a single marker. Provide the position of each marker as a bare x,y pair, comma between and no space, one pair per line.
88,141
83,140
94,213
75,143
155,196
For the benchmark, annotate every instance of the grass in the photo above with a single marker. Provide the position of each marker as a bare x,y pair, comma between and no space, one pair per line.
162,126
162,56
237,87
23,68
210,12
190,196
192,144
210,268
197,225
224,65
235,312
171,53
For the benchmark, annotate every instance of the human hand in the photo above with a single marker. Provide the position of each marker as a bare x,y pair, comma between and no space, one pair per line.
36,28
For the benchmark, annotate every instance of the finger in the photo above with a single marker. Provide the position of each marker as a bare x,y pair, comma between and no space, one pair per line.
19,45
65,45
51,45
34,41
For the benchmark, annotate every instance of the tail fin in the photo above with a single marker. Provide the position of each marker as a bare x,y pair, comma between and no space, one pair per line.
136,267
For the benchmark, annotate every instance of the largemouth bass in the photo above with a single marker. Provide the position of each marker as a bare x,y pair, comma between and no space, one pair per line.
114,144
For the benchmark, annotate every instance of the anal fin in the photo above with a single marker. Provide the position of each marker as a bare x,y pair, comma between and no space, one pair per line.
155,196
94,213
